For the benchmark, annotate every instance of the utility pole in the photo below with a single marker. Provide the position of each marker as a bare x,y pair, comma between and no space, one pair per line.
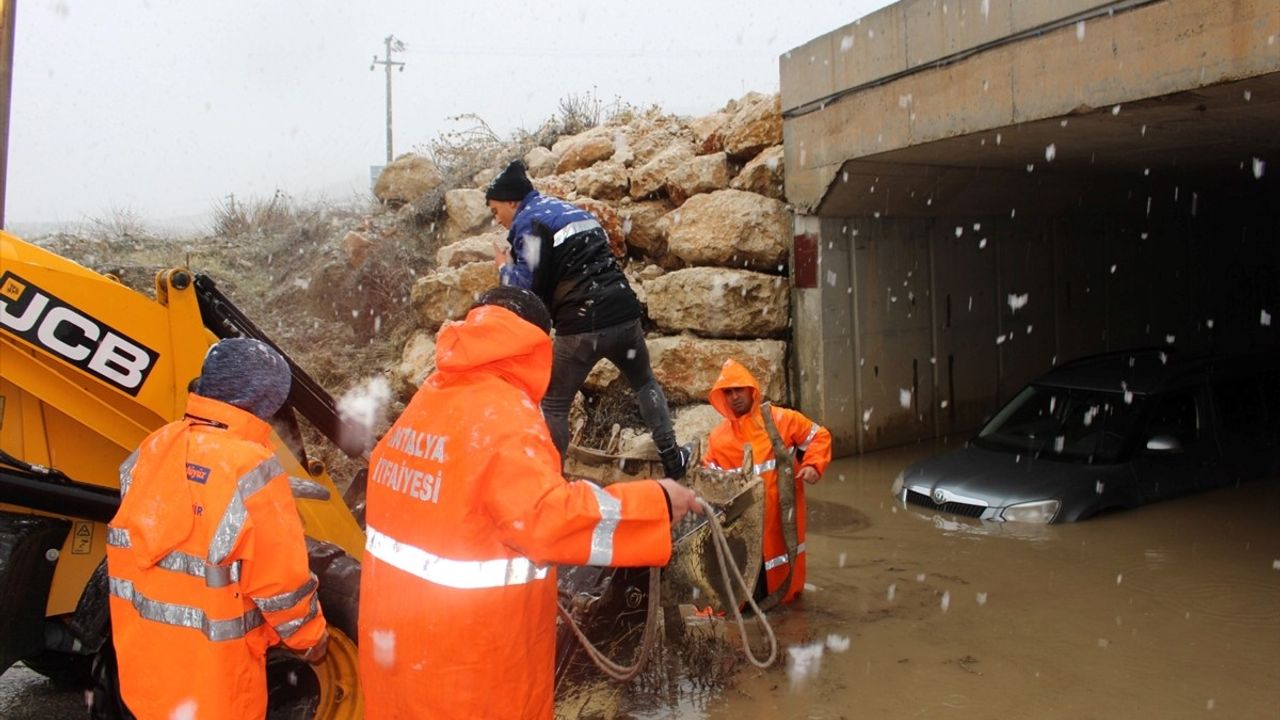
8,12
393,45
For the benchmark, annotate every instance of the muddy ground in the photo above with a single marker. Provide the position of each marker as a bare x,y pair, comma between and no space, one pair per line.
1168,611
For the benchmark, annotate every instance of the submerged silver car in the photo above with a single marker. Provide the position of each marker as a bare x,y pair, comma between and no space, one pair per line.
1109,432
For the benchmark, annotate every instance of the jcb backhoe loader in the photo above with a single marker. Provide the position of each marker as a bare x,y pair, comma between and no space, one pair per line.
88,368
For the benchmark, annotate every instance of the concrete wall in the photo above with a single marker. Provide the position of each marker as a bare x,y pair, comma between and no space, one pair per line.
876,86
997,186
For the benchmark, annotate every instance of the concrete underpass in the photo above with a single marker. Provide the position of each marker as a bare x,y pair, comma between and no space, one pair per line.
984,189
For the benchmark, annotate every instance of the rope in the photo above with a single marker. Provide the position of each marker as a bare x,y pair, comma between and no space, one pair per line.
622,673
726,561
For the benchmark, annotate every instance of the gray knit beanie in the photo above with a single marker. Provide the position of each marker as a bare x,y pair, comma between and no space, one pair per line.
246,373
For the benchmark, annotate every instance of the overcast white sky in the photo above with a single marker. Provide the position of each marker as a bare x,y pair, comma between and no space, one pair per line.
164,107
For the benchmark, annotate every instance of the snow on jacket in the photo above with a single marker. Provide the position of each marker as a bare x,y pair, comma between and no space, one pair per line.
561,253
810,444
467,509
207,568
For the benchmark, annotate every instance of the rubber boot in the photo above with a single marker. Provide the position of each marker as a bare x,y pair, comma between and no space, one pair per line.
675,460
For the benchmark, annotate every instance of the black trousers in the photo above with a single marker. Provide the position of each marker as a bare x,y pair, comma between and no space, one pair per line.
623,345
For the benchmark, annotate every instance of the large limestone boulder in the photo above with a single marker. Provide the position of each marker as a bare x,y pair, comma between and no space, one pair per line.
651,177
763,175
730,228
603,181
755,126
640,223
468,250
719,302
407,179
448,293
610,220
704,173
417,361
688,366
466,212
708,132
585,150
649,136
540,162
561,186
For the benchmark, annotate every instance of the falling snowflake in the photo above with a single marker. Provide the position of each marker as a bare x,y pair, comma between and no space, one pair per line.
904,397
837,643
1050,152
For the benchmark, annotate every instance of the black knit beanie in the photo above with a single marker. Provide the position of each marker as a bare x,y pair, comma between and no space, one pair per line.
246,373
519,301
511,184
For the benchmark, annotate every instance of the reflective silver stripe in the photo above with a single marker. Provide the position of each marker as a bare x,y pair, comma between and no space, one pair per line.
126,471
780,560
184,616
460,574
229,526
813,431
286,600
765,466
572,229
215,576
602,536
285,630
118,537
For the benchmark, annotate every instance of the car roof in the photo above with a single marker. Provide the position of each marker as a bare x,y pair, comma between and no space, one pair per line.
1141,371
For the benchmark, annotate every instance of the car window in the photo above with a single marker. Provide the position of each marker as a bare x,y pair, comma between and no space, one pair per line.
1063,423
1241,404
1177,414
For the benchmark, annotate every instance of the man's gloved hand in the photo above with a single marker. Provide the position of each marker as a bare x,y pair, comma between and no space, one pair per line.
316,653
682,500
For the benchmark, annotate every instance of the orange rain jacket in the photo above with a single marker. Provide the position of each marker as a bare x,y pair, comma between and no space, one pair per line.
466,510
810,443
207,568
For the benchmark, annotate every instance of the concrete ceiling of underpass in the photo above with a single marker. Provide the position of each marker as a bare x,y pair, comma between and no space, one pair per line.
1225,135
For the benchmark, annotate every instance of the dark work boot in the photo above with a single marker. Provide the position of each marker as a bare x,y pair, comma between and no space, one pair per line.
675,460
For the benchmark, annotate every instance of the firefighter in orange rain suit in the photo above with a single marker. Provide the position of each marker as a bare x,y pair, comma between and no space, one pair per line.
206,558
466,509
743,424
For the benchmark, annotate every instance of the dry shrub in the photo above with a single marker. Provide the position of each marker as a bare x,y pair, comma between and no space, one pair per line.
232,217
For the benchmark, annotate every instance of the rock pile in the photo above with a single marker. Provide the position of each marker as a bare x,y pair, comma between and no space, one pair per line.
695,213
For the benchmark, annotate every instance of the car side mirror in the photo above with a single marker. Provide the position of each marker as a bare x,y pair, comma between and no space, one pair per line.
1163,443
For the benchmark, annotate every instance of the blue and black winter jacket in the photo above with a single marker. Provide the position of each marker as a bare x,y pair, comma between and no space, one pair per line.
561,253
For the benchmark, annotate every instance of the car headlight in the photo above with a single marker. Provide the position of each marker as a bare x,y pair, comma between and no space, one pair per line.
1040,511
896,488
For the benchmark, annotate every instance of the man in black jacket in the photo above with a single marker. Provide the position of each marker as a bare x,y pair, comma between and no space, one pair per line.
561,253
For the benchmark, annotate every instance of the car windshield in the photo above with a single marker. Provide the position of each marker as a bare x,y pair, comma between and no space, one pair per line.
1063,423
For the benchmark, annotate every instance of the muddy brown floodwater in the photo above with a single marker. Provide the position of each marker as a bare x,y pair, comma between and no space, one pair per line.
1167,611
